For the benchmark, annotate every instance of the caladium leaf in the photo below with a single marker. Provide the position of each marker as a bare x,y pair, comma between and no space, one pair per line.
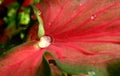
22,60
86,34
84,38
27,3
7,2
44,68
55,70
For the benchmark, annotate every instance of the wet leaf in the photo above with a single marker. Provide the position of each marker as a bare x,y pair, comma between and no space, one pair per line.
86,34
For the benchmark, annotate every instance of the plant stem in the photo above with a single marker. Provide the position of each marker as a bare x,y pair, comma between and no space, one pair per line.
41,31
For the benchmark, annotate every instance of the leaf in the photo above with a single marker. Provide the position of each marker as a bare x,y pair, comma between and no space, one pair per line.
7,2
27,3
55,70
86,34
44,68
21,60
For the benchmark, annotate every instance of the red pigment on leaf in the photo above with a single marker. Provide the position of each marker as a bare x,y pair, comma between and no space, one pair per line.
85,34
32,35
8,2
82,30
27,3
89,38
23,59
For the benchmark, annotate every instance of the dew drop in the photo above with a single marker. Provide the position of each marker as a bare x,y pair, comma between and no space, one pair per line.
93,17
45,41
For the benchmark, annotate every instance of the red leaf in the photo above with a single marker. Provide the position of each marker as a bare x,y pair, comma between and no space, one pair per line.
22,60
8,2
27,3
86,36
84,32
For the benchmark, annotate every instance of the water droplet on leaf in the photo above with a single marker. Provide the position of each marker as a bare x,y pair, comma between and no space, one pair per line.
45,41
93,17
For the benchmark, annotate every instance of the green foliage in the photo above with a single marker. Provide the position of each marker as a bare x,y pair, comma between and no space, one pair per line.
114,68
1,1
24,17
36,1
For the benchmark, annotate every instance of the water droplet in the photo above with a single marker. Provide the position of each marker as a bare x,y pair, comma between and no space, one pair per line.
93,17
45,41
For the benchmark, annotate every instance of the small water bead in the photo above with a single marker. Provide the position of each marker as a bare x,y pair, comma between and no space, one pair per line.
93,17
45,41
